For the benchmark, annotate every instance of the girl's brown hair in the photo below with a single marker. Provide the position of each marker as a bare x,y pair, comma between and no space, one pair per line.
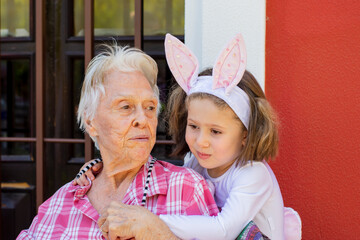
262,136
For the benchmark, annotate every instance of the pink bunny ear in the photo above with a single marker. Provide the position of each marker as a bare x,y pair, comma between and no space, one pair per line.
182,62
230,65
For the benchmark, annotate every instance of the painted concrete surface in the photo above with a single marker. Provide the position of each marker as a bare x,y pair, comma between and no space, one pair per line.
312,80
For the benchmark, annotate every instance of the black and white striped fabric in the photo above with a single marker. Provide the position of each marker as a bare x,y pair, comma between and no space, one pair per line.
87,167
146,188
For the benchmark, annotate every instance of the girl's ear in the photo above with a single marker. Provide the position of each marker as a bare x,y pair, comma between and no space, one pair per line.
244,136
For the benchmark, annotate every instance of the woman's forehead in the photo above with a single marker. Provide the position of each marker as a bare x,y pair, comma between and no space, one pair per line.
133,85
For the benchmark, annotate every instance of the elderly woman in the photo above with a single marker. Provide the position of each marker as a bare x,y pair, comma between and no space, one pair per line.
118,109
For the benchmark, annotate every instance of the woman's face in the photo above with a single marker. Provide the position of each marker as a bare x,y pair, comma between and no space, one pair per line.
125,120
215,136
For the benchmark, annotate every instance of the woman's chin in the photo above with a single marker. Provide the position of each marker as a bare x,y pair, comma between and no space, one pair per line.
140,156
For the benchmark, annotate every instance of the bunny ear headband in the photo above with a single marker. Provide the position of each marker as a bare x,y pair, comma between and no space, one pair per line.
228,70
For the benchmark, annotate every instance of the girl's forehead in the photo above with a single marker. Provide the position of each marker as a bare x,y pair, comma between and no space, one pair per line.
213,102
206,108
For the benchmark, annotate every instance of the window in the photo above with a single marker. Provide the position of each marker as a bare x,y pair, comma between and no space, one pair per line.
15,18
116,17
17,107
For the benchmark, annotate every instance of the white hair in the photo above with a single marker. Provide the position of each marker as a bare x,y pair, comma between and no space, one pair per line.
124,59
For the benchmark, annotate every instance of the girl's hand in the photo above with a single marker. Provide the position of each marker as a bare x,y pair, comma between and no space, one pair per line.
120,221
94,170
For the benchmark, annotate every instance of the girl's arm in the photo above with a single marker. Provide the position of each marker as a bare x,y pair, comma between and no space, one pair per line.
250,189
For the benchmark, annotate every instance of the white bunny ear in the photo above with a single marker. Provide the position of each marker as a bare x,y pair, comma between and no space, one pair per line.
182,62
230,65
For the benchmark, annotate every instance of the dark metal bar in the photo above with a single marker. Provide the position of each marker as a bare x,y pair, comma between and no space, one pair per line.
0,149
39,76
165,142
89,53
139,24
63,140
17,139
169,16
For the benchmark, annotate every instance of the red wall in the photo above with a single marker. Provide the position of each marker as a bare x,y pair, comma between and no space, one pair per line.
313,81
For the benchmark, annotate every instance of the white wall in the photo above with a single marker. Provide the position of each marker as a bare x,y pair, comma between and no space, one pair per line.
209,24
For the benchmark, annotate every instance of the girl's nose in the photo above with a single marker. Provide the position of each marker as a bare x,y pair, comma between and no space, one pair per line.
202,140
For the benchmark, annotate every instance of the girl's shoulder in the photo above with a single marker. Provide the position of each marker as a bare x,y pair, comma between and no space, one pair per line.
251,166
190,161
256,172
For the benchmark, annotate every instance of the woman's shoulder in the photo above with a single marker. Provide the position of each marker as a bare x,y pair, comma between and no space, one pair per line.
66,189
63,194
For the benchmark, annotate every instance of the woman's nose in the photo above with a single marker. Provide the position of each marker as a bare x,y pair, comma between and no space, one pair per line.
140,118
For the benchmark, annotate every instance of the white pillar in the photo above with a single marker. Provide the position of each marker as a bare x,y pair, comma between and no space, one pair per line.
209,24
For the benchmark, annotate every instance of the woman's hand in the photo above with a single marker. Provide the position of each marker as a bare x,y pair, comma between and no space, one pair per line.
127,222
93,171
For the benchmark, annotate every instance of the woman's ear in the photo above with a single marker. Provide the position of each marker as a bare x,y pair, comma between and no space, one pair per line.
90,128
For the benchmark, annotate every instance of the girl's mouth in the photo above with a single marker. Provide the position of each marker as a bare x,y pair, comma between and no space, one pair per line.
203,155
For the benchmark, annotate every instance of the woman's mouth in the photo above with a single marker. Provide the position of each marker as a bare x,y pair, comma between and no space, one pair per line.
140,138
203,155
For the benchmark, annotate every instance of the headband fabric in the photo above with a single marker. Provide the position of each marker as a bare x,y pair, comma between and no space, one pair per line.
228,70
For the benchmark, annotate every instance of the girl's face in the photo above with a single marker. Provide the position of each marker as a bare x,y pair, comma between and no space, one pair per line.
214,135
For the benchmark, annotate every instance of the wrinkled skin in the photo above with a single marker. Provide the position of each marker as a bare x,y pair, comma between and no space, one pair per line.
120,221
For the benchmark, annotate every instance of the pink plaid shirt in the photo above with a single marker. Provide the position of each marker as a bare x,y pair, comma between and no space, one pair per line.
68,214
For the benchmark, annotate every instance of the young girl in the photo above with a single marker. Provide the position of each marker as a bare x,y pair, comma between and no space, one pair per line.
225,121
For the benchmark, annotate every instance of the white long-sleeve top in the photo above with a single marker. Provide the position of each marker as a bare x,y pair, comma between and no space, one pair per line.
246,193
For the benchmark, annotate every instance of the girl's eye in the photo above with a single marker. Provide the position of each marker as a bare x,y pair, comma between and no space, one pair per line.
192,126
216,132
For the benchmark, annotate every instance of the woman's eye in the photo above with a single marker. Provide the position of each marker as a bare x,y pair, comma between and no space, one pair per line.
125,107
151,108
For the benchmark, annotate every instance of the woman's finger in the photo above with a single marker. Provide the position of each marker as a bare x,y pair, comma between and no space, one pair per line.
119,229
103,215
104,228
112,222
121,221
